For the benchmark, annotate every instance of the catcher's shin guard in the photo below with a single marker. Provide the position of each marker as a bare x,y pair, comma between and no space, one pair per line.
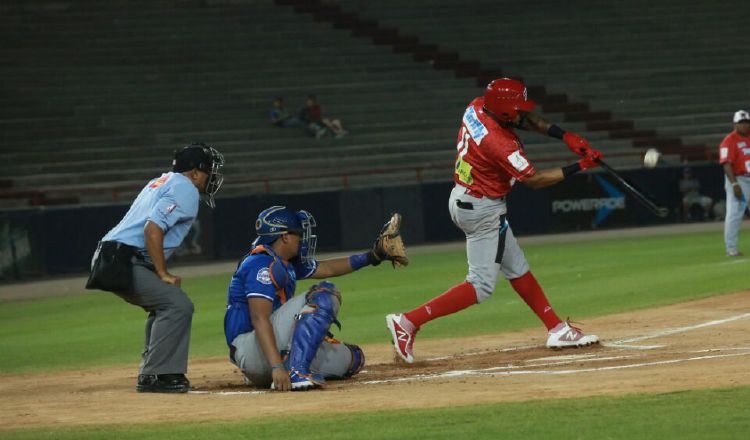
312,326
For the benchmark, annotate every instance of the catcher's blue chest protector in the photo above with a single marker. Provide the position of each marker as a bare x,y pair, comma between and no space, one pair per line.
263,274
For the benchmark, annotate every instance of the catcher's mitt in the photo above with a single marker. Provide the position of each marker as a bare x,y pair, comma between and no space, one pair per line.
388,245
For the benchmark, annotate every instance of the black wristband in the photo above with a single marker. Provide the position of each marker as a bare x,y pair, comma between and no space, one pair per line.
571,169
555,131
373,259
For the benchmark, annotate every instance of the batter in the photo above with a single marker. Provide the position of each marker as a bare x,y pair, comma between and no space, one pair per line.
490,160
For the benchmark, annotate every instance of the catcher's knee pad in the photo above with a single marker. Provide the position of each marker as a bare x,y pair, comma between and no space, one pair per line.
323,296
312,325
358,360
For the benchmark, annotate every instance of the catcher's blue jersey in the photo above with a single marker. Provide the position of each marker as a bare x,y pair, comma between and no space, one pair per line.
262,274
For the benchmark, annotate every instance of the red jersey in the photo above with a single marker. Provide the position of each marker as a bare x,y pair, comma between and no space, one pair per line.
735,149
490,157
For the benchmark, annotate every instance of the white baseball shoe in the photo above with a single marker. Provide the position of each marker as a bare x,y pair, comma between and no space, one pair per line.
564,335
403,333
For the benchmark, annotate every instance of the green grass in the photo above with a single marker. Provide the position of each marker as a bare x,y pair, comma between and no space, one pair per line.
715,414
581,279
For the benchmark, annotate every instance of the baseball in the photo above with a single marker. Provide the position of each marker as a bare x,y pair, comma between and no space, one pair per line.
651,158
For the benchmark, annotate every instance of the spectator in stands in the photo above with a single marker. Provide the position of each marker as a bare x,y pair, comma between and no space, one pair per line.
691,197
318,126
280,117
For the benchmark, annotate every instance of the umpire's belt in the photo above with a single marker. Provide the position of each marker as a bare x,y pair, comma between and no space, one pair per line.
141,260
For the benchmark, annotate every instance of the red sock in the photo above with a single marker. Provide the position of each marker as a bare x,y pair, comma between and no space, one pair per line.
529,289
455,299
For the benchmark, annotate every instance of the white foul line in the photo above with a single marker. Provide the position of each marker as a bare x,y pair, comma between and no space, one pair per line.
487,372
681,329
227,393
563,360
493,371
632,347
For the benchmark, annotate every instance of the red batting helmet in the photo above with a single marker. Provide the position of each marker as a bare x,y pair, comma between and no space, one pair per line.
505,97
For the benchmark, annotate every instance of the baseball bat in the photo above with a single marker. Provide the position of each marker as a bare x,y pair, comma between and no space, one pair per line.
631,188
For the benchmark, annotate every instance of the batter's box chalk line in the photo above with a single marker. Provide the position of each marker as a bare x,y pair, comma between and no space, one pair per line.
553,361
510,372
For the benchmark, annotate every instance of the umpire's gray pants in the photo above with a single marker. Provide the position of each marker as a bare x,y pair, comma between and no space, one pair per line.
332,360
489,248
170,315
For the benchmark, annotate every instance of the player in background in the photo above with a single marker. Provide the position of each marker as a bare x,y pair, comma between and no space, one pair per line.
490,160
282,340
153,228
734,156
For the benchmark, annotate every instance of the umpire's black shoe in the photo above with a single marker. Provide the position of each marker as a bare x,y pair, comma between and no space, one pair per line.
162,383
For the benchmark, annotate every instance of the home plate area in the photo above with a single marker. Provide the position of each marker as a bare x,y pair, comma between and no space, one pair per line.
661,347
712,339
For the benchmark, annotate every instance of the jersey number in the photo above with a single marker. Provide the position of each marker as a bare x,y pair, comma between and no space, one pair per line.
463,168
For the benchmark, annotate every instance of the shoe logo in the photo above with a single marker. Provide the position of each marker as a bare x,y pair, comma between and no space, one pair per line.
402,336
570,335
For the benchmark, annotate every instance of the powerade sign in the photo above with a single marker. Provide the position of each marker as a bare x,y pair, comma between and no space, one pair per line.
588,202
604,204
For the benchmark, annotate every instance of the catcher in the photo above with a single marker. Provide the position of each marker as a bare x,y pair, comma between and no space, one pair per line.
282,340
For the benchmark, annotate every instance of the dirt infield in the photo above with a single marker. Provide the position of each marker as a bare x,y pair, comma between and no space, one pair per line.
700,344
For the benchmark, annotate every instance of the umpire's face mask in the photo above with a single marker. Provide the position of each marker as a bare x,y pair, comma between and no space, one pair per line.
215,177
205,159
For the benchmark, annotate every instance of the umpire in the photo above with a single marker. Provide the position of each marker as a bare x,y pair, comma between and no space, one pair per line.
131,261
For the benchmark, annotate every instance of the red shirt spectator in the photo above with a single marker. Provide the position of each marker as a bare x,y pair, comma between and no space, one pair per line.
312,115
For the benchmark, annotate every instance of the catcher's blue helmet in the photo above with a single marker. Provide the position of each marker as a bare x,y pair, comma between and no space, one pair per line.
276,221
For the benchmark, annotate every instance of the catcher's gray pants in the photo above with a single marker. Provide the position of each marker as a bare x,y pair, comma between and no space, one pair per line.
491,246
170,315
332,360
735,211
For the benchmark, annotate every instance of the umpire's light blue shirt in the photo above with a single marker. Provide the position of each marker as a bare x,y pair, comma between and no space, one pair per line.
171,202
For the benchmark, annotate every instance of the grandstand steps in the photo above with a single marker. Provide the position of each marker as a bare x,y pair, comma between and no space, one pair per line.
102,93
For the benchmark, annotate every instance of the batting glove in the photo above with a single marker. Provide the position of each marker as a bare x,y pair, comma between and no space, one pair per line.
595,154
576,143
591,160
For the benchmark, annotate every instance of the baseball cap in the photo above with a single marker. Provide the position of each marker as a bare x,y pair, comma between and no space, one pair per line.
193,156
741,115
